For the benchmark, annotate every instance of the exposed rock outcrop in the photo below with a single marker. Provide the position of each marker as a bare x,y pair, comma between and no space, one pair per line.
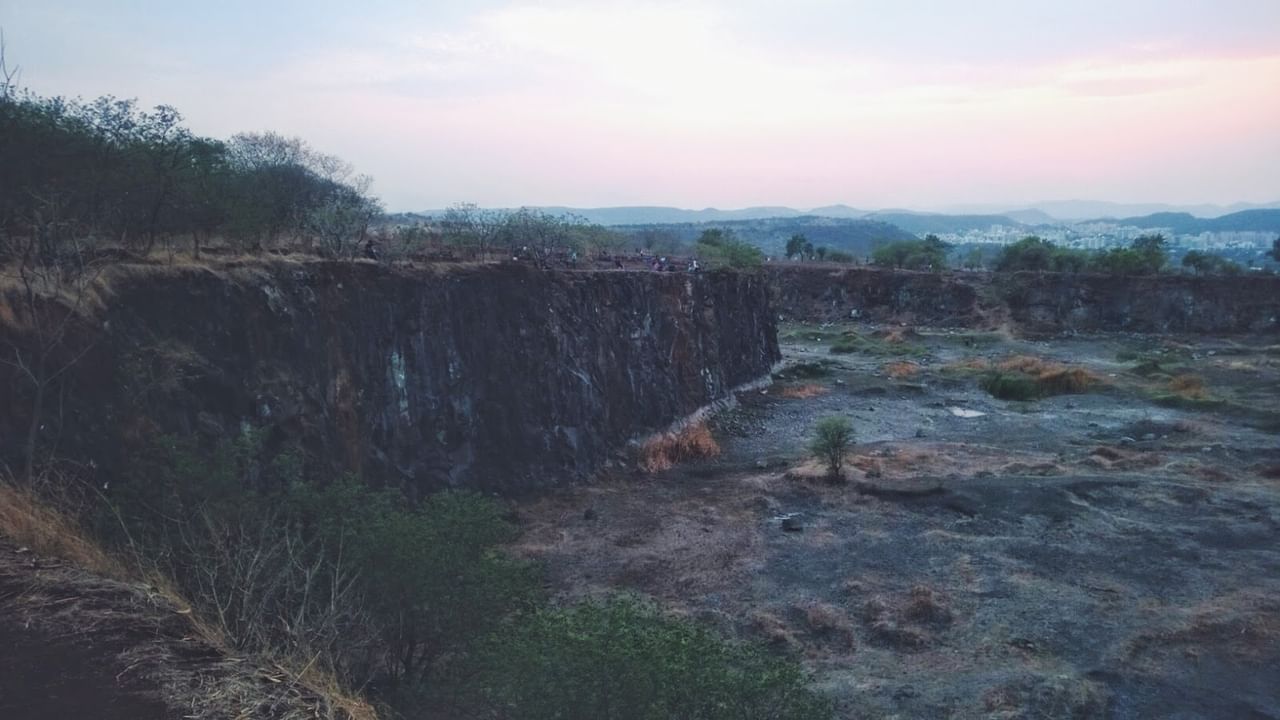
1033,302
497,377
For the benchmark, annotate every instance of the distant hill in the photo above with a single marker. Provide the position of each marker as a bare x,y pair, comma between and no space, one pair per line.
852,235
924,223
1032,216
1085,209
1181,223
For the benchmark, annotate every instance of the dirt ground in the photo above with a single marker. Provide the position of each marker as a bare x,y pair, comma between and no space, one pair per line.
1113,553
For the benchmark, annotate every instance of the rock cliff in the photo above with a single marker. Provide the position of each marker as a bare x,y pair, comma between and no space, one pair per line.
496,377
1032,302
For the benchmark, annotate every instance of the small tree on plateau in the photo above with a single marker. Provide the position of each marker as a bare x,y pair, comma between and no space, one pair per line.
832,437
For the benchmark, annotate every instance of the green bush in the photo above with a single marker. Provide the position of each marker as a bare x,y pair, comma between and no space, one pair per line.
719,248
622,659
832,437
1011,386
1033,253
927,254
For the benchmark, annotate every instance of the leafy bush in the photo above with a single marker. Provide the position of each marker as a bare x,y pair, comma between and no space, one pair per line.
927,254
370,584
1033,253
719,248
622,659
1025,377
1203,263
832,437
1010,386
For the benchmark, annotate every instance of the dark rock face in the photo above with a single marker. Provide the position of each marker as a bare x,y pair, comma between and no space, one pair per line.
1035,302
495,377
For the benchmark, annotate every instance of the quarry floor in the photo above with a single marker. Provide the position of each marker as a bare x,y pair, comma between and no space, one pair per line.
1114,553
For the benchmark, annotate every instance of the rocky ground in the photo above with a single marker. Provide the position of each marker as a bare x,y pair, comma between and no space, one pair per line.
1112,553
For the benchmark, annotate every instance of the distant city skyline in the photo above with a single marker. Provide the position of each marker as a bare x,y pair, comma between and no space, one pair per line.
875,104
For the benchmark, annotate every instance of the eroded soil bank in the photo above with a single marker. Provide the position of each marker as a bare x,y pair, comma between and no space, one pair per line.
1111,553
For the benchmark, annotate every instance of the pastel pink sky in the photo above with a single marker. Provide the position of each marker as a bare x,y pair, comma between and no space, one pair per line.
727,104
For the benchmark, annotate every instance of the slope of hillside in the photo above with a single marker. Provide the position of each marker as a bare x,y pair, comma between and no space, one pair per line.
1264,220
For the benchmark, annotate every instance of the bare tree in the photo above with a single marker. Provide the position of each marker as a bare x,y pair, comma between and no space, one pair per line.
55,275
8,76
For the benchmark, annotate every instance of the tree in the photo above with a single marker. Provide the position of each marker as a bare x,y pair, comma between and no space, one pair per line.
795,245
715,237
1203,263
1275,250
832,437
1029,253
1151,249
720,248
927,254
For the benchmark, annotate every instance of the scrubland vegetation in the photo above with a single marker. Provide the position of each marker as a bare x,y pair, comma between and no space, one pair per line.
410,602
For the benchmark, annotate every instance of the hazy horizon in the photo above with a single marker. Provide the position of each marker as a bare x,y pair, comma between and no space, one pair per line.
714,104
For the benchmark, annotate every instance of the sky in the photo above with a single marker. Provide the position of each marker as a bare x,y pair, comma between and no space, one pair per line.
873,103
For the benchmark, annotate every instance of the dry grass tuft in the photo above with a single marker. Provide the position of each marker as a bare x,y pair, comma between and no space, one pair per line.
896,336
1189,386
830,622
926,605
29,522
1053,378
803,392
665,451
773,630
973,364
901,369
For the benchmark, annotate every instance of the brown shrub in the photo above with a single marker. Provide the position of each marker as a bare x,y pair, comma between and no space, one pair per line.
901,369
973,363
896,336
1189,386
828,621
1029,364
1066,381
802,392
692,442
773,629
1053,378
926,605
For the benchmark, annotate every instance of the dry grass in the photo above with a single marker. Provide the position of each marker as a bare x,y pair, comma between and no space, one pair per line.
1189,386
973,364
1053,378
829,622
803,392
896,336
692,442
45,531
773,630
29,522
926,605
901,369
1107,457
